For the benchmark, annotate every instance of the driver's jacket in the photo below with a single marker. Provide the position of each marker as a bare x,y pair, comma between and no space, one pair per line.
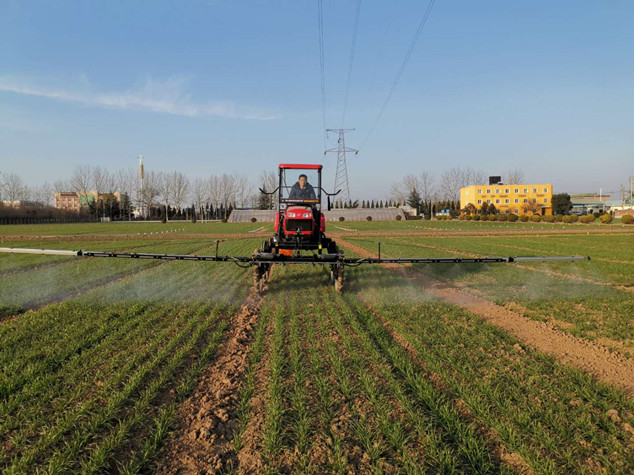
298,193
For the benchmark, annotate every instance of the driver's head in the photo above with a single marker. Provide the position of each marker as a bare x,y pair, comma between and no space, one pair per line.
302,180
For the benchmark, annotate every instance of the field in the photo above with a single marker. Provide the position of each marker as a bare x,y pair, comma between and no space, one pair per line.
133,366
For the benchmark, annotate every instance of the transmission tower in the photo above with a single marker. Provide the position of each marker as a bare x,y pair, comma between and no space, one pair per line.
341,177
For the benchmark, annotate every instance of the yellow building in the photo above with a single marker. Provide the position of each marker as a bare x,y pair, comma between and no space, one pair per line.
517,199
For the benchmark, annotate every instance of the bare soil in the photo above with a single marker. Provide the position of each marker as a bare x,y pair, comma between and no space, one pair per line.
609,367
203,441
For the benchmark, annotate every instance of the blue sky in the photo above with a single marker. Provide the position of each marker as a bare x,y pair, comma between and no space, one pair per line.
211,87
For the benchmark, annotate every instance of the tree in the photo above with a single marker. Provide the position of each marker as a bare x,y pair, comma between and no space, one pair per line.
150,191
561,203
180,188
267,184
127,184
455,178
470,209
514,177
199,193
80,182
531,207
13,188
450,183
413,199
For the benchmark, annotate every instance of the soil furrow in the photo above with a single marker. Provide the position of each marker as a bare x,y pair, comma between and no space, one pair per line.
203,441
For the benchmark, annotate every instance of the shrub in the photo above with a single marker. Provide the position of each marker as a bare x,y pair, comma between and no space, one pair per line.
398,217
559,218
606,218
502,217
567,219
536,218
224,220
468,217
369,218
341,218
254,219
627,219
587,219
493,217
596,215
476,217
512,217
462,217
427,216
574,218
523,218
549,218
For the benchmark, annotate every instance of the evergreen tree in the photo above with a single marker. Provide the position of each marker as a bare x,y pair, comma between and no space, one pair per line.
413,199
561,203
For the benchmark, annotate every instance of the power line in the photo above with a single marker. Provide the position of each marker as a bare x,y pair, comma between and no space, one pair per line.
320,20
412,45
351,62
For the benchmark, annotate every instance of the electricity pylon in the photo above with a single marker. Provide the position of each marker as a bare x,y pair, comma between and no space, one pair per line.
341,177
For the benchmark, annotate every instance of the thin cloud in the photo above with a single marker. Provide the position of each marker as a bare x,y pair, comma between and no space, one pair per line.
165,97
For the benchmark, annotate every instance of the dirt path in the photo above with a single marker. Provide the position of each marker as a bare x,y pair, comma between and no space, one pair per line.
203,442
608,367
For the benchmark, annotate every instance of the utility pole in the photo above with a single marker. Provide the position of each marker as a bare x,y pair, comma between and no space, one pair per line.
341,177
631,189
141,175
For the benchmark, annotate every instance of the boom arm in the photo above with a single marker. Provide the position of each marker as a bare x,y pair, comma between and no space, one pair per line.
270,258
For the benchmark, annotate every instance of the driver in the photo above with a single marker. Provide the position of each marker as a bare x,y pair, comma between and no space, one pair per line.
302,190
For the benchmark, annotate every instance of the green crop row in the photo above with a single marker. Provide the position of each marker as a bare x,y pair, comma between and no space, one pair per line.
81,379
36,287
588,303
130,228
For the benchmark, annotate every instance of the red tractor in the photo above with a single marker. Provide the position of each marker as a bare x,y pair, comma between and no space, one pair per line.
299,223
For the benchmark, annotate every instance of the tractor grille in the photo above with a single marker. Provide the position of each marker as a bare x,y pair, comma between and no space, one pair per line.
303,224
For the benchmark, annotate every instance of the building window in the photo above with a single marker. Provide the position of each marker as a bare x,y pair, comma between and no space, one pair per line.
545,200
480,191
497,190
516,200
489,201
525,190
506,191
534,200
507,200
479,202
534,190
497,202
517,190
525,200
488,192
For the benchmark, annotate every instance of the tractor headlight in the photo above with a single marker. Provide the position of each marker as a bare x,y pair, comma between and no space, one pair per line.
306,215
291,215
